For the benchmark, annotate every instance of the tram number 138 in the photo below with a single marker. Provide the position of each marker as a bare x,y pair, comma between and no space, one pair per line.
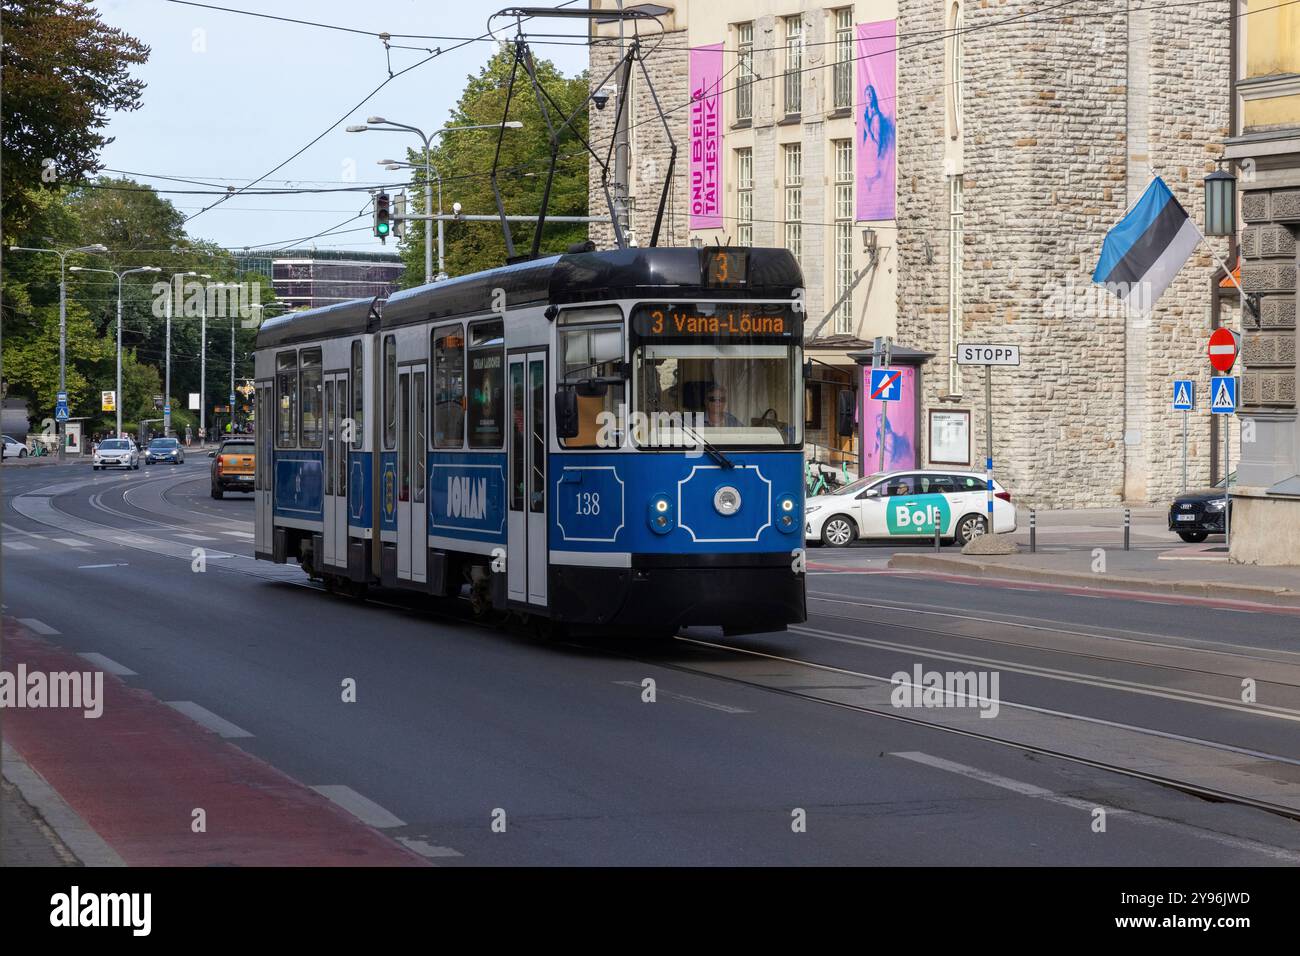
589,503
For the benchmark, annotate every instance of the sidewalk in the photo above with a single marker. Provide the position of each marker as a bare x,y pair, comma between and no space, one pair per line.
1084,548
26,838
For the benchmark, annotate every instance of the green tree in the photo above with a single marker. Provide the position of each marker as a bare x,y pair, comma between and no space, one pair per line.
465,158
65,71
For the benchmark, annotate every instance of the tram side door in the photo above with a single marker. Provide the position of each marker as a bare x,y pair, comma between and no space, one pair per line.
262,470
335,471
527,560
412,517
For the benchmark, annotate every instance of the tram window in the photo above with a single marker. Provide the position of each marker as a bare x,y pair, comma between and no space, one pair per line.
593,351
286,400
418,441
390,392
517,437
722,393
537,481
341,455
310,403
448,399
358,391
486,395
404,446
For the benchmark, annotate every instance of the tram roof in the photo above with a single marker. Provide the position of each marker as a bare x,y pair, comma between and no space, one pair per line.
329,321
592,276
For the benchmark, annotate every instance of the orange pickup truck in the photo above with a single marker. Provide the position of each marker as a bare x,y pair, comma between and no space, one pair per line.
232,466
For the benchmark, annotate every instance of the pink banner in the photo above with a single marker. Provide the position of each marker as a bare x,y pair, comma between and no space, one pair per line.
876,105
899,424
706,137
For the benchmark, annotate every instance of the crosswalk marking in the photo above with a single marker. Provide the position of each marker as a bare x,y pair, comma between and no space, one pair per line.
19,546
74,542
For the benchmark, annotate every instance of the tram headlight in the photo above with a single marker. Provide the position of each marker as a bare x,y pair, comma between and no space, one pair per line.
787,514
660,515
726,500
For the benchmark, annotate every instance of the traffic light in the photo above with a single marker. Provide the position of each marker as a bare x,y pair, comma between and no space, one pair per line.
399,210
383,218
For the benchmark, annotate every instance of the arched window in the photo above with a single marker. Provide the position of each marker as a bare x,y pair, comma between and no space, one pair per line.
953,80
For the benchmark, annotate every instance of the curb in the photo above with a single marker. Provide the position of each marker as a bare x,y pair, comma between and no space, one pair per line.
77,835
1262,594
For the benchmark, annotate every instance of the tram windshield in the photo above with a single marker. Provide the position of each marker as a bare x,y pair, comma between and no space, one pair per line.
723,393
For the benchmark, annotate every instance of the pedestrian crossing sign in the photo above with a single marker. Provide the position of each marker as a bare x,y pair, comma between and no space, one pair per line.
1223,394
1184,395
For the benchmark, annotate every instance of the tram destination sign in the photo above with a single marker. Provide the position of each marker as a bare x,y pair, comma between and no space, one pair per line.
988,354
722,320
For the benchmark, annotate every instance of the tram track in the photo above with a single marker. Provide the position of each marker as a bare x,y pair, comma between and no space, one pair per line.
1215,794
458,612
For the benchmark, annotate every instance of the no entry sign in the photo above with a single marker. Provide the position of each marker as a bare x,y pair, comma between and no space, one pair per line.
1223,349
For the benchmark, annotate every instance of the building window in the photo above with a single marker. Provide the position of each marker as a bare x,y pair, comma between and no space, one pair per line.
794,198
955,246
843,231
745,71
745,197
956,57
793,65
842,74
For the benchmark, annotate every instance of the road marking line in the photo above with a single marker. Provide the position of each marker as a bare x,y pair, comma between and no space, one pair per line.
1054,673
363,808
12,530
37,625
1039,793
108,665
74,542
724,708
206,718
19,546
426,849
239,534
88,567
196,537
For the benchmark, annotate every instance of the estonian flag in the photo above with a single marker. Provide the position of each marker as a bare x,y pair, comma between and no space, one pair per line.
1143,253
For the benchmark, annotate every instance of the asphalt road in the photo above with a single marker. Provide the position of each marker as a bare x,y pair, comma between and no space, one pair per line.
1130,707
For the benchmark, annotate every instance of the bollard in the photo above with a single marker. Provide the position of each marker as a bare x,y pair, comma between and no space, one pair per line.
1033,530
1127,522
937,544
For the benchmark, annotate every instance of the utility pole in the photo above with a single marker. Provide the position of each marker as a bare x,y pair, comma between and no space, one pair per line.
622,164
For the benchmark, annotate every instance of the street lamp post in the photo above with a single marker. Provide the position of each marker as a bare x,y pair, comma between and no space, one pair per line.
167,389
117,395
381,124
63,315
203,358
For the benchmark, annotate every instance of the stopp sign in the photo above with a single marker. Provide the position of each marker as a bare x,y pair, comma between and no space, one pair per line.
1223,349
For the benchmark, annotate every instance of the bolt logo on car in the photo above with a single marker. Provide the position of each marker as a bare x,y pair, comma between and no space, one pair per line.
912,517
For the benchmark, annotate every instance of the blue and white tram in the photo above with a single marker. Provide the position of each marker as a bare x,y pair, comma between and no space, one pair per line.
604,440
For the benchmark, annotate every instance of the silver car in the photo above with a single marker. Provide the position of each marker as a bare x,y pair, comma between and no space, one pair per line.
117,453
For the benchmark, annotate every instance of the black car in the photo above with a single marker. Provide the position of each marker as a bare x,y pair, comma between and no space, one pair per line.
1198,514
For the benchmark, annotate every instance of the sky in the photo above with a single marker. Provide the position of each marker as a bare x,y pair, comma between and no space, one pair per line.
231,96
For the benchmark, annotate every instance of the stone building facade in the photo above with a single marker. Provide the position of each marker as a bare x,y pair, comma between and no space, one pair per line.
770,49
1022,140
1265,145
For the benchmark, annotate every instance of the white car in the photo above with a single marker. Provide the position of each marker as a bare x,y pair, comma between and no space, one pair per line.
13,448
907,504
116,453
